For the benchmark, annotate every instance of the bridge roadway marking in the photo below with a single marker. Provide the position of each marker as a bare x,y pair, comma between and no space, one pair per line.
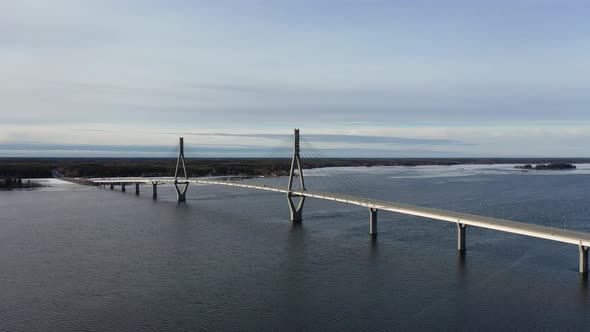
515,227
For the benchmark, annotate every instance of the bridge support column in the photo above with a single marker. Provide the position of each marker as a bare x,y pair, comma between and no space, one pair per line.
123,187
296,211
112,186
181,191
583,259
373,221
154,190
136,188
461,236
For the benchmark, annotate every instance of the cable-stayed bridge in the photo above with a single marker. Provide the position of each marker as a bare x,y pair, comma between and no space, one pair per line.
294,187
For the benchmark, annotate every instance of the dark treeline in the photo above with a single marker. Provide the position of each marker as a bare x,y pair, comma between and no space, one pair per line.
107,167
13,183
110,167
551,166
24,168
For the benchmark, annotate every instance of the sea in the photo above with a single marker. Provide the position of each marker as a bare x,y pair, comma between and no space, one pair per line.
80,258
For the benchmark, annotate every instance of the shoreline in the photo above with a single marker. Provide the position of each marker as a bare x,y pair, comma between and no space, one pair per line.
76,170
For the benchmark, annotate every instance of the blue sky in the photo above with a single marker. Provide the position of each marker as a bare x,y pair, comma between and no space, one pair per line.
363,78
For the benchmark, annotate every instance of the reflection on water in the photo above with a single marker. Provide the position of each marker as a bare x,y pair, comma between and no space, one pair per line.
82,258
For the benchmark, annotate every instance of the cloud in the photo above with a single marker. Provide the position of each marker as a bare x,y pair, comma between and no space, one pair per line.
490,78
349,139
73,148
130,151
204,151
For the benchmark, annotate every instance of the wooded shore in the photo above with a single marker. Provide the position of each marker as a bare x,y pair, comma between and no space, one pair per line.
107,167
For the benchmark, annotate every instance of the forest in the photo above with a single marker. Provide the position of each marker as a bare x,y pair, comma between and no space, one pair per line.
26,168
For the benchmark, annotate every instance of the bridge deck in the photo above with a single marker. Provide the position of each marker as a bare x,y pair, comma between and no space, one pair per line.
544,232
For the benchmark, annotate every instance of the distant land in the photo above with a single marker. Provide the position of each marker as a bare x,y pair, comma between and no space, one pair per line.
550,166
106,167
17,183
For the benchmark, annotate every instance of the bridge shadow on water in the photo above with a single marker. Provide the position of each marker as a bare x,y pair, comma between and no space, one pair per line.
374,248
462,268
582,295
584,282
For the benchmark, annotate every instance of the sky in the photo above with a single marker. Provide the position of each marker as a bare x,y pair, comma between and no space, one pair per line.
360,78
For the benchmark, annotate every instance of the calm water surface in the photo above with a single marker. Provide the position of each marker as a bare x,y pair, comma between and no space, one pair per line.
79,258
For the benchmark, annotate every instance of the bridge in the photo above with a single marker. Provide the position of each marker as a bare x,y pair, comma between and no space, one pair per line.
296,193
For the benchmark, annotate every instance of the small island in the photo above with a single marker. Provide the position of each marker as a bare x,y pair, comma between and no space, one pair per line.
551,166
17,183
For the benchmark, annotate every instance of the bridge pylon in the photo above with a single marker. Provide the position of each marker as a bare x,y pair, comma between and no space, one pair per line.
373,221
296,209
154,189
461,236
181,187
584,259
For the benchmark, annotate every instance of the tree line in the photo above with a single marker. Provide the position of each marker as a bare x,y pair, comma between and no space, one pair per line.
135,167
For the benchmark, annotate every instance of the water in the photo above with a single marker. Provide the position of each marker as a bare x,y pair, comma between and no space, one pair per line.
79,258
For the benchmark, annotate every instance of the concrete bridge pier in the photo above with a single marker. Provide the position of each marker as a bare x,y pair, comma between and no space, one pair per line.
112,186
123,186
181,192
584,259
461,236
296,211
154,190
373,221
136,188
